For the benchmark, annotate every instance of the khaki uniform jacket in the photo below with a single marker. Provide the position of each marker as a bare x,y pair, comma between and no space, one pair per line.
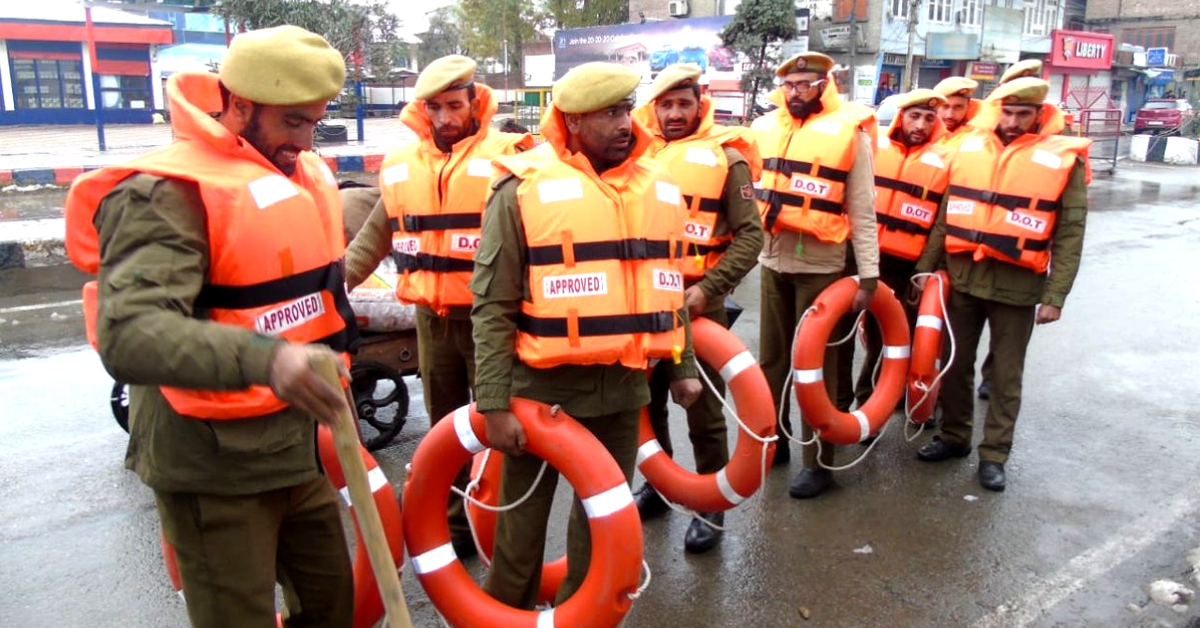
500,284
154,259
793,252
1000,281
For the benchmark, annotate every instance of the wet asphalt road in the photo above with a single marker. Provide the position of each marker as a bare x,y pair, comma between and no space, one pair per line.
1102,500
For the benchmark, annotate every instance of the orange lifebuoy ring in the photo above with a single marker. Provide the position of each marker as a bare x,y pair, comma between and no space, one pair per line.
927,349
742,476
603,598
368,605
808,377
485,474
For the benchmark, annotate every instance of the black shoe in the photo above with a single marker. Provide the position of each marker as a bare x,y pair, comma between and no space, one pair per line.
649,503
937,450
991,475
783,452
702,537
464,548
810,483
985,390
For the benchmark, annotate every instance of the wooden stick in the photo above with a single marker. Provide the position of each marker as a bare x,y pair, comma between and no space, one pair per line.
345,437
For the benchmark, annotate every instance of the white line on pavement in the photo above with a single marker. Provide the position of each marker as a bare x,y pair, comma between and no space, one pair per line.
1086,567
41,306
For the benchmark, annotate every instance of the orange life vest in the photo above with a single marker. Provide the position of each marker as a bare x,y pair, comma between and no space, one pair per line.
806,165
602,257
909,186
275,243
699,166
1003,200
435,203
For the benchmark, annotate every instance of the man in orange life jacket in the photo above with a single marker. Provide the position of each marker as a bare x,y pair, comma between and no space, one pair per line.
576,287
817,190
722,237
428,220
959,107
910,181
1017,198
219,261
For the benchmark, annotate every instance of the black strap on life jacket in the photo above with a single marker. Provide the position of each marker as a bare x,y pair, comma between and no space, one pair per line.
627,249
650,323
776,200
1011,246
1007,201
910,189
435,263
438,222
893,223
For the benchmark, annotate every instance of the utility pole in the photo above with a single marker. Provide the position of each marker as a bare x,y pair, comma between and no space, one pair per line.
853,50
906,82
97,95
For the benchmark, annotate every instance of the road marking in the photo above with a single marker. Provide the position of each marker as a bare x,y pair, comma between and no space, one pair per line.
1086,567
43,306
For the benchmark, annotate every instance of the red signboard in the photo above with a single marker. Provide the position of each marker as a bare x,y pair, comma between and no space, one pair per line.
1080,49
984,71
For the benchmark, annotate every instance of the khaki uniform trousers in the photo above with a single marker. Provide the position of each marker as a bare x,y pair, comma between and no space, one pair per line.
896,274
520,544
232,549
706,418
785,296
1011,327
446,359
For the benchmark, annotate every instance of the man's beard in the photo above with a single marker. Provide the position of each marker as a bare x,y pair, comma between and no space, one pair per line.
805,109
254,136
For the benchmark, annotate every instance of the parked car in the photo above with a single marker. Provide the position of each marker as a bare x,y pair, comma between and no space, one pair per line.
887,110
661,58
1166,117
694,54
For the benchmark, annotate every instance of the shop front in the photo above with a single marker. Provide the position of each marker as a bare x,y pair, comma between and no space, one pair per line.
1080,69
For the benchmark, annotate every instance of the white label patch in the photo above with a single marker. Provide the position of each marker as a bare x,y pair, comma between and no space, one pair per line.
960,207
290,315
828,127
1025,221
560,190
810,187
702,156
916,212
698,231
406,246
394,174
479,168
1047,159
932,159
271,189
670,280
563,286
884,142
971,145
667,192
464,242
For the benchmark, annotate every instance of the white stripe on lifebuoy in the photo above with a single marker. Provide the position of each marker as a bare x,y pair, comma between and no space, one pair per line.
727,490
546,619
375,478
466,434
809,376
648,449
606,503
864,424
930,321
434,559
736,365
896,352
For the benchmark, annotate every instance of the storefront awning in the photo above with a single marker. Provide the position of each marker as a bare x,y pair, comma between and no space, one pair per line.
189,58
1159,76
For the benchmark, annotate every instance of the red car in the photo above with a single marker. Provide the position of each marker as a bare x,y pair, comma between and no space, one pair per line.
1166,117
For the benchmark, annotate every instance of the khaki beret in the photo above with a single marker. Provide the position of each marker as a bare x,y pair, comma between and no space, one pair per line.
921,98
806,62
1028,67
443,74
956,86
675,76
593,86
284,65
1021,91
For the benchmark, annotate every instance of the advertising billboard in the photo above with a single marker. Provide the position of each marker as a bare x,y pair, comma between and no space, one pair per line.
1081,49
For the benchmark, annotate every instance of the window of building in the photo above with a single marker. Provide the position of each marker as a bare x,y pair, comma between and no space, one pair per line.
48,84
941,11
1041,17
1158,37
125,92
971,13
899,9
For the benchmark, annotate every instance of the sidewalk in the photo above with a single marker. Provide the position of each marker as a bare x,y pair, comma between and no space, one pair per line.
35,156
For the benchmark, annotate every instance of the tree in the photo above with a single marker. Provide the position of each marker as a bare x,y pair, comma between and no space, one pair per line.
444,37
365,32
756,25
488,24
576,14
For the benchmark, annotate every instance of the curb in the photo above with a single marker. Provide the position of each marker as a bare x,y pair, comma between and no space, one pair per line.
39,243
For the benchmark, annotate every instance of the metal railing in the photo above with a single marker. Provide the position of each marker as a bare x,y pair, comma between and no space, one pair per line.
1103,127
